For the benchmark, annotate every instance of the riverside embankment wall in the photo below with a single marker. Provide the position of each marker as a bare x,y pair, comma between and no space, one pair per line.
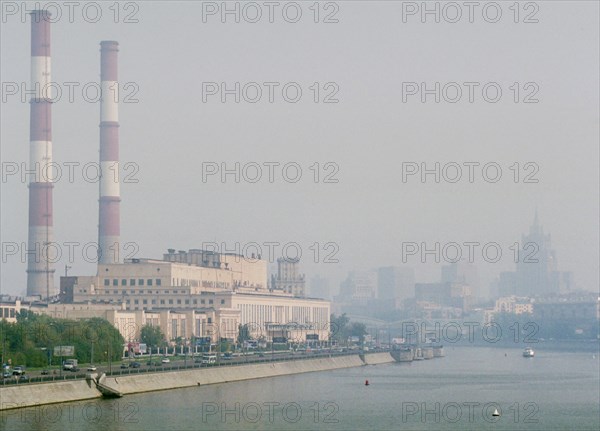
207,376
378,358
27,395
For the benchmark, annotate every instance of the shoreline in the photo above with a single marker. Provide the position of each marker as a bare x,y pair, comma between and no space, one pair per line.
94,386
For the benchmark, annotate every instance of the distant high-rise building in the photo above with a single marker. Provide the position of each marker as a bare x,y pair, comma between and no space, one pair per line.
359,285
536,265
288,277
319,287
395,283
456,295
537,273
358,293
462,272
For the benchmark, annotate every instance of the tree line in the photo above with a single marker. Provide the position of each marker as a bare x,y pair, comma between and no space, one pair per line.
31,341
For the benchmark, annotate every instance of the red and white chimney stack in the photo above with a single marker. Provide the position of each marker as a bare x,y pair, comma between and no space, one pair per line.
40,269
109,219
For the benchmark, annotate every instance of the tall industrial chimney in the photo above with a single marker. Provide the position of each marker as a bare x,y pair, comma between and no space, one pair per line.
40,269
110,198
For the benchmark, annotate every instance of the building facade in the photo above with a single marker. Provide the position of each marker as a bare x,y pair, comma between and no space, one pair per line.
288,278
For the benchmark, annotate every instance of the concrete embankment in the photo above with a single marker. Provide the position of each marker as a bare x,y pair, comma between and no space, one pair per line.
206,376
26,395
378,358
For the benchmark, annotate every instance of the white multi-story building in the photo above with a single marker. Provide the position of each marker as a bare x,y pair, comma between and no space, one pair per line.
200,294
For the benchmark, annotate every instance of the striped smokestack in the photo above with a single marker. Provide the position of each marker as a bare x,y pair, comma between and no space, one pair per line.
110,197
40,270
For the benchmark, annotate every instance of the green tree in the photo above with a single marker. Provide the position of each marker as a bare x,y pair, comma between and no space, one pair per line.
358,330
152,335
32,339
339,328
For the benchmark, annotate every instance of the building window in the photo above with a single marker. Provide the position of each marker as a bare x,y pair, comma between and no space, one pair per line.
132,291
123,282
132,282
222,301
187,301
115,292
210,301
158,281
154,301
135,301
115,282
195,301
141,291
128,301
140,281
106,282
145,301
209,320
170,301
162,301
179,301
202,301
149,282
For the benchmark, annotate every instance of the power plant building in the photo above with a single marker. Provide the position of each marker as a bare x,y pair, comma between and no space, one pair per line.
229,289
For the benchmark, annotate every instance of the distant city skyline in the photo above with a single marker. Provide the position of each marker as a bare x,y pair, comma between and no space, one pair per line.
363,141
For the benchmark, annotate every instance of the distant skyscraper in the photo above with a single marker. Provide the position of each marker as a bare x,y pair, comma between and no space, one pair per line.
462,272
319,288
395,283
537,265
358,293
537,273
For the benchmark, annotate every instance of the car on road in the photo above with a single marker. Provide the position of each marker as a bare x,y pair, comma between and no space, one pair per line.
165,360
18,370
6,374
227,356
92,368
45,372
136,364
124,365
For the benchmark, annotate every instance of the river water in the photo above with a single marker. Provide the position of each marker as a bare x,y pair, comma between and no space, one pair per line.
554,390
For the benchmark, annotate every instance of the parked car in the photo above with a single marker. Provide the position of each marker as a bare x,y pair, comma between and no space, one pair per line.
165,360
135,364
124,365
227,356
6,374
18,370
91,368
45,372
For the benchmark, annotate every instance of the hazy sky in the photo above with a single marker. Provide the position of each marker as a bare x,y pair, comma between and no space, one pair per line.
367,55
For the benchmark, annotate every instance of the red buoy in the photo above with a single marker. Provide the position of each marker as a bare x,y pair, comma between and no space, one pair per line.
366,383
